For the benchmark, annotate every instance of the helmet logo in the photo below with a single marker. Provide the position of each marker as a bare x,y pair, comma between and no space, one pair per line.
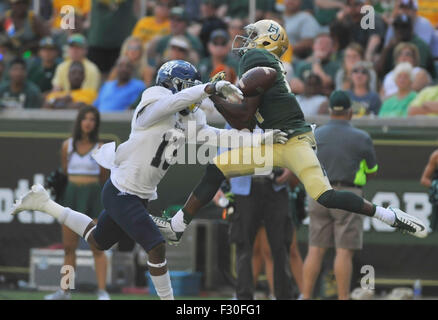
275,32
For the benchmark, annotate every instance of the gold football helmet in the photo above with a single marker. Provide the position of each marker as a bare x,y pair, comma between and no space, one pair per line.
265,34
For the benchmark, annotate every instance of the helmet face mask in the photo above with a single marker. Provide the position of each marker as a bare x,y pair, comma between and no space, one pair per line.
265,34
177,75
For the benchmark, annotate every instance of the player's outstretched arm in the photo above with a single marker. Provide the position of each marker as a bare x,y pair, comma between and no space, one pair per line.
166,104
233,138
238,115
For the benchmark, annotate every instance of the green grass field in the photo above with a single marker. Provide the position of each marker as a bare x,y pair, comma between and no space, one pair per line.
39,295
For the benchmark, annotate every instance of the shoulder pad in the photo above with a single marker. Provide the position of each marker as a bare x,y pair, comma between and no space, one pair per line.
151,95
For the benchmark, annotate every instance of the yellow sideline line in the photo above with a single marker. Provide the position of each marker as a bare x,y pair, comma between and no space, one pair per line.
406,282
14,269
383,142
50,135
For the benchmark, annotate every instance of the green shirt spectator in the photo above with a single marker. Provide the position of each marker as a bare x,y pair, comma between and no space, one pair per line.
18,93
240,8
111,23
396,107
426,102
325,11
41,70
220,58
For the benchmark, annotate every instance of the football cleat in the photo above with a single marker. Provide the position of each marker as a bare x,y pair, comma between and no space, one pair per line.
103,295
58,295
408,224
165,227
35,199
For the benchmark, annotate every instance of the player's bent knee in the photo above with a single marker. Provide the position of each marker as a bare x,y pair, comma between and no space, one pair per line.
93,244
158,253
327,199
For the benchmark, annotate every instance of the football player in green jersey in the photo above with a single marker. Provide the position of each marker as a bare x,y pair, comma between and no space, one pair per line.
276,108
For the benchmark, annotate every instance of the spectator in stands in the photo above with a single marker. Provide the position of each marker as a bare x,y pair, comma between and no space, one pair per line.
421,26
397,105
340,35
22,27
18,92
179,49
220,58
178,27
426,102
319,62
240,8
312,101
85,180
352,54
133,49
364,101
81,7
429,10
4,6
77,96
118,95
111,23
61,36
42,69
387,9
235,27
158,24
77,50
403,30
210,22
406,52
370,39
301,28
325,11
192,8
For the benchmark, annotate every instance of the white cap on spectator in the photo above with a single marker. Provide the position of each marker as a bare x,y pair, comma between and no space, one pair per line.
180,42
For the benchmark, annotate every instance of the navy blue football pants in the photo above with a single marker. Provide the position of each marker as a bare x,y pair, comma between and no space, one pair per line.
125,214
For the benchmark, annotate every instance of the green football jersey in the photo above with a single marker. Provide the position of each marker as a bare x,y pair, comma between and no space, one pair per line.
279,108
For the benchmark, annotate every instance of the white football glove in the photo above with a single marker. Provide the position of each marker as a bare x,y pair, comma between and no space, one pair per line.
274,136
229,91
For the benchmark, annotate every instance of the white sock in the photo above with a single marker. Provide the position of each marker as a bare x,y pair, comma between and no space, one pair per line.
177,222
163,286
76,221
54,209
385,215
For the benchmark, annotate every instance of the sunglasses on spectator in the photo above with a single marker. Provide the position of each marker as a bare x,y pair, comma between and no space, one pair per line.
363,71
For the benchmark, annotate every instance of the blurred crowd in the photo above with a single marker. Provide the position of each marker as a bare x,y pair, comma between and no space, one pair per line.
60,54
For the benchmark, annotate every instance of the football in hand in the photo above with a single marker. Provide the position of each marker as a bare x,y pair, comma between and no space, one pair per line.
257,81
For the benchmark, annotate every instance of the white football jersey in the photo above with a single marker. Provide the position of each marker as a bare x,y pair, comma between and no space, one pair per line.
157,131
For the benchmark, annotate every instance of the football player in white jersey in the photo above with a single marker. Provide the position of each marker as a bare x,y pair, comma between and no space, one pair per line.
137,166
